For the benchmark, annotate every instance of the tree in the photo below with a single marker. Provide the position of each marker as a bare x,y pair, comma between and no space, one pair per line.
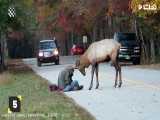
21,29
4,4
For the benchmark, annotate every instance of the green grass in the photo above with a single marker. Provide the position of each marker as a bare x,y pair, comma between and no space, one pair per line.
36,99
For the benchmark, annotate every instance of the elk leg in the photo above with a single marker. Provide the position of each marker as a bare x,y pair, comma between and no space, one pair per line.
114,60
92,74
116,68
120,76
97,85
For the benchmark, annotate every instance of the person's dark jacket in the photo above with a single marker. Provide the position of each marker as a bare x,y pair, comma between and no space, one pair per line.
65,77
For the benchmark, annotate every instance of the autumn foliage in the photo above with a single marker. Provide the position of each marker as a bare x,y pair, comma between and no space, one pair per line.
120,6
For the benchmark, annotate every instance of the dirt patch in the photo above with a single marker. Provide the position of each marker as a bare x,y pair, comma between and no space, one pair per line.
4,78
17,65
13,66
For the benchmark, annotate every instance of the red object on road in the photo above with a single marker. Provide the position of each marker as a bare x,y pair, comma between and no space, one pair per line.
54,87
77,50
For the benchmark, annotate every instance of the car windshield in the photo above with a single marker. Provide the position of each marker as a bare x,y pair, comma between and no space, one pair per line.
47,45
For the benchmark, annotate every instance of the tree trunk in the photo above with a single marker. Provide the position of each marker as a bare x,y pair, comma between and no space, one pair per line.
106,28
94,33
152,46
110,26
1,58
144,48
136,28
101,30
2,61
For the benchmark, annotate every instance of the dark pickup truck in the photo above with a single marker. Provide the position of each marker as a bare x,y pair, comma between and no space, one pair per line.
130,49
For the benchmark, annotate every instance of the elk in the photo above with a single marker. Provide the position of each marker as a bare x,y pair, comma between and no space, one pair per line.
101,51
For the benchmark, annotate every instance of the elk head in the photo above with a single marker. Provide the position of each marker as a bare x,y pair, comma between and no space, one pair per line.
80,67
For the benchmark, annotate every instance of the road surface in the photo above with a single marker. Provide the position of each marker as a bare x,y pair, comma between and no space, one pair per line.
138,99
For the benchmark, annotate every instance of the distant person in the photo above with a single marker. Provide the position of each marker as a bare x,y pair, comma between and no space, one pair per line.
65,81
57,44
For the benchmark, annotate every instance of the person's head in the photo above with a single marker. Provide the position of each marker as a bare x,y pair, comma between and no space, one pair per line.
70,69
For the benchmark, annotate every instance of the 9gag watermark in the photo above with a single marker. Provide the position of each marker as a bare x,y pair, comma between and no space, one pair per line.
148,7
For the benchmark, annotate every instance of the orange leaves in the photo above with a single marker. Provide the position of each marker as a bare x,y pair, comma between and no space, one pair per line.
63,21
120,7
79,15
43,13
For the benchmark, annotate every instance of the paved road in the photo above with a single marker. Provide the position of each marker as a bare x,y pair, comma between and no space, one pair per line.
138,99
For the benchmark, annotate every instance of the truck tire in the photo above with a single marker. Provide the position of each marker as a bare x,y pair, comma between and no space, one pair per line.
136,61
57,62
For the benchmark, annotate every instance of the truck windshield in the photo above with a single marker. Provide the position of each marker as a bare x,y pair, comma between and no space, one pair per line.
127,38
47,45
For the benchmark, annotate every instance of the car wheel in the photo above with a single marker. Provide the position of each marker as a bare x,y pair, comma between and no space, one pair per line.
39,63
57,62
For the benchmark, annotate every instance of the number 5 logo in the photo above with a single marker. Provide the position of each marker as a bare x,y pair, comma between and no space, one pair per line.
14,104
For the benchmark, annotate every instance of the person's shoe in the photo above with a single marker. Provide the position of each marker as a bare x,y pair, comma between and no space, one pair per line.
53,87
80,87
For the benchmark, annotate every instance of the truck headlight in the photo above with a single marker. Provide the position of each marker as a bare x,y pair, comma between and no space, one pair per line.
137,47
123,49
136,51
55,52
40,54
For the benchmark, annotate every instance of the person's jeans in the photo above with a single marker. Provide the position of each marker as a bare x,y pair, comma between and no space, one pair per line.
73,86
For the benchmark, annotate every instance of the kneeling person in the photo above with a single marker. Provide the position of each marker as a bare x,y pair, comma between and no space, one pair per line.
65,81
